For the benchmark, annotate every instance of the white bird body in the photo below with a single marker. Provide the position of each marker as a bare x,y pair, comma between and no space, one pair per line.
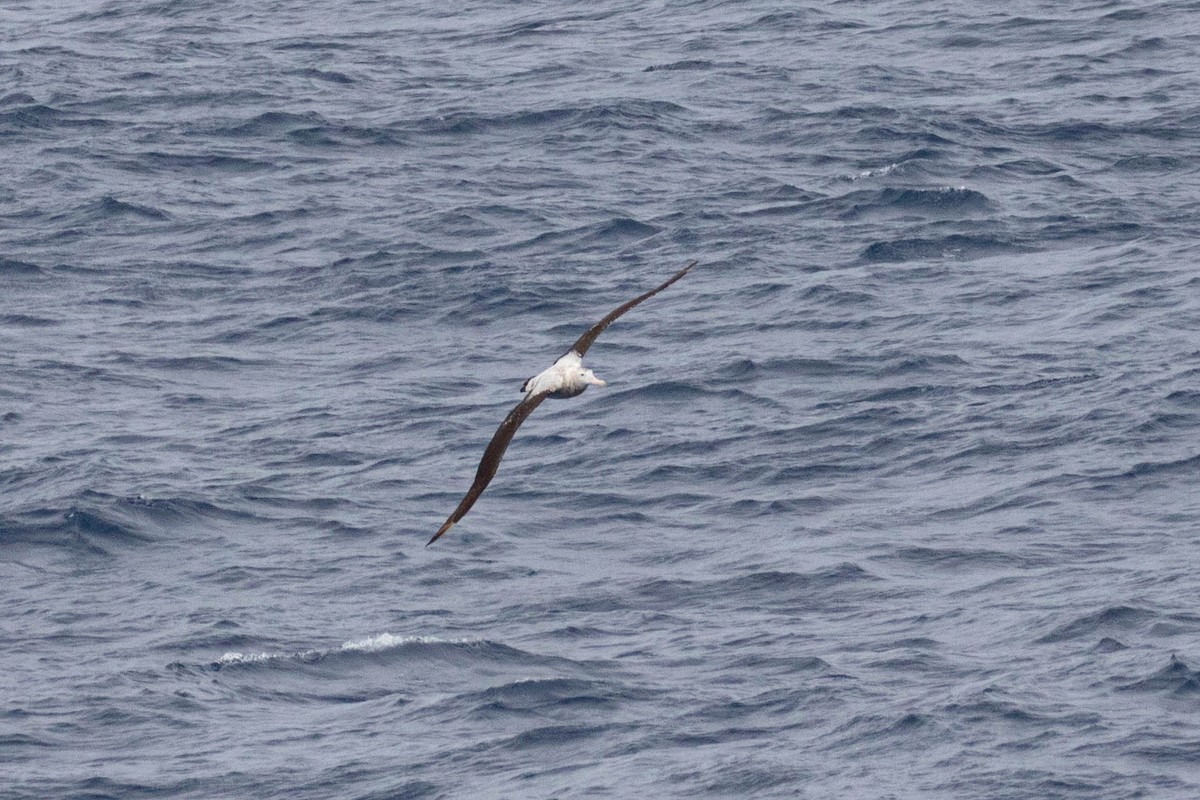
564,378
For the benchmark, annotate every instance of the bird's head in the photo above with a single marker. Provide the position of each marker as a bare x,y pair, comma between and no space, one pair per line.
588,378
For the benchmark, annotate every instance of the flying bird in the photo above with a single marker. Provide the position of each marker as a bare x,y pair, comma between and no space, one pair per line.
567,377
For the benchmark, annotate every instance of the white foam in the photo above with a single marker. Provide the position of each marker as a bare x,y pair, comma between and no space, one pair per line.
243,658
874,173
387,641
371,644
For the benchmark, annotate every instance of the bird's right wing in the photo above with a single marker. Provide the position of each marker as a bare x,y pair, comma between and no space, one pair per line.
491,460
584,342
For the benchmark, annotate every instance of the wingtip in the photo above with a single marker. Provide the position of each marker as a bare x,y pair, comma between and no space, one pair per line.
438,535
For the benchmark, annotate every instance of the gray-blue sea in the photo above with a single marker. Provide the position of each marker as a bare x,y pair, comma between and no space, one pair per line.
893,496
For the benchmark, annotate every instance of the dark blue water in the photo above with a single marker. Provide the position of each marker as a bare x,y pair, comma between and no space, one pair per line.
893,496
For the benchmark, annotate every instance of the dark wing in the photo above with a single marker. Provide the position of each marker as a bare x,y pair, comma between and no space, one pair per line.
491,460
581,346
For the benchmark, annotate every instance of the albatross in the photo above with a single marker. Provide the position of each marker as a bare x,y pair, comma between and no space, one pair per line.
567,377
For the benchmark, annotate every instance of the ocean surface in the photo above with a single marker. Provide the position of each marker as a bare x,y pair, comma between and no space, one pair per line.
895,495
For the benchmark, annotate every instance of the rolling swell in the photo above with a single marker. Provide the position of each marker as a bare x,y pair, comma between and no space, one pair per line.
894,495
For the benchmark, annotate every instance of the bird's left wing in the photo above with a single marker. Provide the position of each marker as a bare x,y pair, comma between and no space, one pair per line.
584,342
491,460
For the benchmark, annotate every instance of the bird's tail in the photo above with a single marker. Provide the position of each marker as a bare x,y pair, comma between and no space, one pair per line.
447,525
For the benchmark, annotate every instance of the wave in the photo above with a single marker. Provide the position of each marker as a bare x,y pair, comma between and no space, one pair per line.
605,234
109,207
82,530
765,588
957,246
28,321
37,117
326,75
393,646
1176,679
939,202
211,363
543,696
1105,621
620,114
271,124
686,64
13,267
379,643
102,524
154,161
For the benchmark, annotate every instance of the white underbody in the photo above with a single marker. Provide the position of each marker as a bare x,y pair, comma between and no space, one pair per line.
567,377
